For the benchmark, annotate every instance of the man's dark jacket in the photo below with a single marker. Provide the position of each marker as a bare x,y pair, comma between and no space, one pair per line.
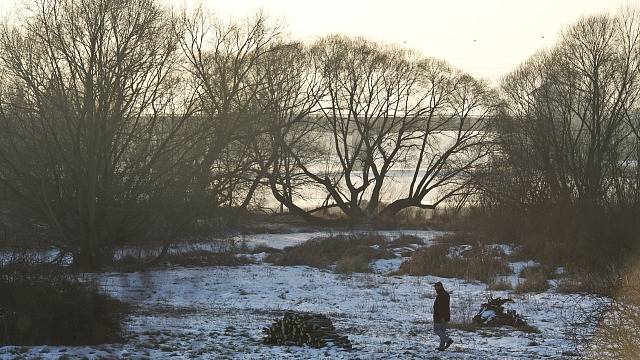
441,307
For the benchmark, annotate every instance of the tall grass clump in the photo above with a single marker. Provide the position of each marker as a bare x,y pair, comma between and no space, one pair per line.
45,307
323,251
479,263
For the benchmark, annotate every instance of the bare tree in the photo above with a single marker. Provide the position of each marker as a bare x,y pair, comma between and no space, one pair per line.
88,139
222,63
286,102
382,106
574,105
568,145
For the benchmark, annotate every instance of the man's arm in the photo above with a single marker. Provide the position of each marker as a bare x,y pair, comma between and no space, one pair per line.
447,311
437,309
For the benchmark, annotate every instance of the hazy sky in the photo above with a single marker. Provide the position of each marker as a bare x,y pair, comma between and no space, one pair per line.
486,38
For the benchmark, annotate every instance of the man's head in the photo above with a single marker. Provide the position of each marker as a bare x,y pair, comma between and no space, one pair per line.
438,286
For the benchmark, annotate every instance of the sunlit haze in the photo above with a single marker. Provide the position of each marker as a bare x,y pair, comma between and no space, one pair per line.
485,38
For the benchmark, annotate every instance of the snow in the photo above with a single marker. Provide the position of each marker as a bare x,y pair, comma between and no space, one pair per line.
385,266
218,312
560,270
487,315
507,249
518,266
280,241
458,250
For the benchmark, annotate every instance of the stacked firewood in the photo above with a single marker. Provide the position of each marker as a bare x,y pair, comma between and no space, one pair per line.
297,328
493,313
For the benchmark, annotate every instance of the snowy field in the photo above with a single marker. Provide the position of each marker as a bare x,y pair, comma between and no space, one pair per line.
218,313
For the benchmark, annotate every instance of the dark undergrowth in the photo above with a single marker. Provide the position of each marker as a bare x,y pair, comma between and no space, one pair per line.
594,244
194,258
41,305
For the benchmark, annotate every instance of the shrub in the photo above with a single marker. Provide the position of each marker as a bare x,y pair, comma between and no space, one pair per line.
535,280
583,281
187,258
537,271
459,238
404,240
616,335
499,285
479,263
56,309
205,258
323,251
413,217
263,248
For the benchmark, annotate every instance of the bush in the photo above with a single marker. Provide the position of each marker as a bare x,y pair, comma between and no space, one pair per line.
205,258
616,335
322,252
535,280
460,238
187,258
479,263
38,309
583,281
499,285
412,217
404,240
582,238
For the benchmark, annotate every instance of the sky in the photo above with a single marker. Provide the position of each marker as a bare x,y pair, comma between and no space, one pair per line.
486,38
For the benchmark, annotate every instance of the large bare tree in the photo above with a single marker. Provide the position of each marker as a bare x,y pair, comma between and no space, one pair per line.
222,63
89,141
383,108
573,110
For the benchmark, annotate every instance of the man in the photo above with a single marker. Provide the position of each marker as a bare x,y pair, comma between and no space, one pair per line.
441,315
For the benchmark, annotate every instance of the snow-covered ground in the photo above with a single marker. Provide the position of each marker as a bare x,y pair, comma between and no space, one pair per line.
280,241
218,313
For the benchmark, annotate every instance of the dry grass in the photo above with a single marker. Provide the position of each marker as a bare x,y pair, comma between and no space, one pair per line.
414,217
535,280
618,321
405,240
189,258
206,258
590,283
353,264
478,263
459,238
324,251
499,285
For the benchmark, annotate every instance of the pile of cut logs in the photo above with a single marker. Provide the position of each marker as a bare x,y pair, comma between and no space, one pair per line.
297,328
493,313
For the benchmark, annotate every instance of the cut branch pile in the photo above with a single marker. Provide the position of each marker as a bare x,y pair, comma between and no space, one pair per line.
493,313
295,328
